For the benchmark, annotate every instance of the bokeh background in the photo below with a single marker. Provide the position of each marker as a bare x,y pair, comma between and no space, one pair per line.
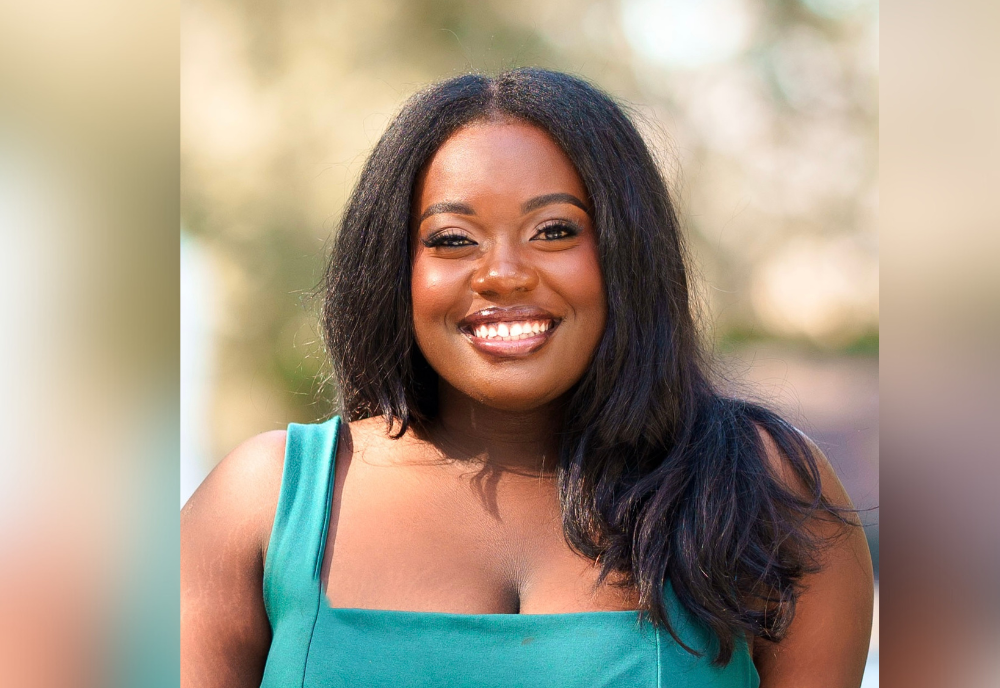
89,133
763,114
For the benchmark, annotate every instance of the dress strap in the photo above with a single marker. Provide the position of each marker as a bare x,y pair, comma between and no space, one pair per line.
298,536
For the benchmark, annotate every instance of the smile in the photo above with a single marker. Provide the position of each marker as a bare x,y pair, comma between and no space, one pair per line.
512,331
509,332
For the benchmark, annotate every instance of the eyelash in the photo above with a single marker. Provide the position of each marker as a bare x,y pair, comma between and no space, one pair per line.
569,229
456,240
447,240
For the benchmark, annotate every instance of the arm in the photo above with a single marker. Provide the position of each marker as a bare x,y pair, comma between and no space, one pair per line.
225,527
827,642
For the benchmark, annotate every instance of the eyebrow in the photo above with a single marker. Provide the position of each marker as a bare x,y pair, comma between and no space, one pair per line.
550,199
533,204
446,207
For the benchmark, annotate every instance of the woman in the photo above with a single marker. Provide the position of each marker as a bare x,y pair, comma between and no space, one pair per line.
539,483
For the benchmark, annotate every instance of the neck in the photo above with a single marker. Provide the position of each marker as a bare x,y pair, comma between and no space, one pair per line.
518,441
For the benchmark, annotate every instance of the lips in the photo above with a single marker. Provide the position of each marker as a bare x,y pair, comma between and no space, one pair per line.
509,332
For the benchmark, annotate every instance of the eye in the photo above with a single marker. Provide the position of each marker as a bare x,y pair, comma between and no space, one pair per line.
447,239
555,231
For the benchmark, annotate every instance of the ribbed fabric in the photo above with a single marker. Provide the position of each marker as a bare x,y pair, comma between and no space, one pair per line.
314,645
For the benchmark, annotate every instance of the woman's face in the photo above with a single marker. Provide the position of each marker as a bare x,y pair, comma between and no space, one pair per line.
508,298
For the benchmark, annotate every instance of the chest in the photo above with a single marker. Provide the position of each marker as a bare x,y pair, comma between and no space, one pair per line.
360,641
478,541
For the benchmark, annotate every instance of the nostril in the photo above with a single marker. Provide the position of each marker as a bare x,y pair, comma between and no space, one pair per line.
503,278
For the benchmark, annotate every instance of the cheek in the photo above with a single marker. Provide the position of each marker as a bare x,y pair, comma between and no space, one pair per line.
436,289
578,278
592,292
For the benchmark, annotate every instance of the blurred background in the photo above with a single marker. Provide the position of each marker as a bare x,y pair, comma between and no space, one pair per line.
280,104
763,113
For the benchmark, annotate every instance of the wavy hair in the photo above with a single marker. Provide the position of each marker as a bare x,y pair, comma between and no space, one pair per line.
662,478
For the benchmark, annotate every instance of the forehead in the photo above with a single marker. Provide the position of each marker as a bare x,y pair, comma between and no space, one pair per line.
497,161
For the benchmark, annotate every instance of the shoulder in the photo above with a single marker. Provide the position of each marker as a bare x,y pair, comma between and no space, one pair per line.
254,466
241,493
224,529
364,433
784,470
371,430
371,441
828,635
258,458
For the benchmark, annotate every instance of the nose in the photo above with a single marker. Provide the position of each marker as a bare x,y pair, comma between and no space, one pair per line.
504,272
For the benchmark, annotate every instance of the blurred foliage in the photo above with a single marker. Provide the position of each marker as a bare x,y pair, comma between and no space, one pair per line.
734,340
764,114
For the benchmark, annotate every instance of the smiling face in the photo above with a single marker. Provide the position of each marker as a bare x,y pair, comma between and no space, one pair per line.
508,298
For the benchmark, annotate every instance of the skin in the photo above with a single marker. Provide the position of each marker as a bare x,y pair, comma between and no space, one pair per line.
499,255
462,516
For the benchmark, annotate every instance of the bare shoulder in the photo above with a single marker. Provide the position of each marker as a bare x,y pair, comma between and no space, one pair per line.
369,441
225,527
833,489
365,432
241,492
827,641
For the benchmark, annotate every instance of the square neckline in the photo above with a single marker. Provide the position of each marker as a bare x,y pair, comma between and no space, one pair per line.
310,632
327,607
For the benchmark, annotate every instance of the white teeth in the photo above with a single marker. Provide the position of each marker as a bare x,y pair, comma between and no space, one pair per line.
511,331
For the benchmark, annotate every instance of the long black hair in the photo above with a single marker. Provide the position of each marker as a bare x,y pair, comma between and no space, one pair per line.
662,478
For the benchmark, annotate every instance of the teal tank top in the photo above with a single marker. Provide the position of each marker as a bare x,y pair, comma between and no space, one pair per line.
315,645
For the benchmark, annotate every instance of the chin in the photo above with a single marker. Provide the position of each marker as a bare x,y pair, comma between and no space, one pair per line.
516,401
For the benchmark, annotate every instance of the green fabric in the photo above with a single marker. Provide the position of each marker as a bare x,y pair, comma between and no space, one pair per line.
316,645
